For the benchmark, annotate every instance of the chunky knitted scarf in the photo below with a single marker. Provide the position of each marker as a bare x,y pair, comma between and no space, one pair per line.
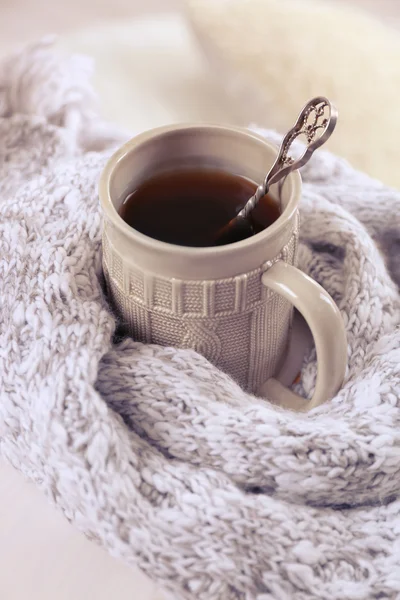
151,451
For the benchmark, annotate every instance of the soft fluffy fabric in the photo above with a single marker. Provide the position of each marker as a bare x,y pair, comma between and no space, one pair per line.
151,451
274,55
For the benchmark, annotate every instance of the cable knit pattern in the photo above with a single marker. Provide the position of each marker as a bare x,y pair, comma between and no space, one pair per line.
153,452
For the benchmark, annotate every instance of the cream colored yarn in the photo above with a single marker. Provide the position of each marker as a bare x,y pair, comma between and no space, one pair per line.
274,55
151,451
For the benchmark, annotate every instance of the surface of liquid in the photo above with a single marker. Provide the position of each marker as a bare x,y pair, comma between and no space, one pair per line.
189,207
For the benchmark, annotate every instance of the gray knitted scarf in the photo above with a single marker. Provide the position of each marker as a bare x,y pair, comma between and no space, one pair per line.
151,451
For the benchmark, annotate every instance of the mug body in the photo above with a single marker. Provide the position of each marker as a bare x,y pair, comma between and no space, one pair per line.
209,299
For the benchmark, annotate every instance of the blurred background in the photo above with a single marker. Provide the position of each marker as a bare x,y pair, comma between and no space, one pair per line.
24,20
234,61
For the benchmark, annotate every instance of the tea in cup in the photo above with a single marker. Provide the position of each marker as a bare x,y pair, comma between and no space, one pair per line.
164,194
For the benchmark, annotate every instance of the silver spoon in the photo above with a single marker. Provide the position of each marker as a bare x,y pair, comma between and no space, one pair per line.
316,122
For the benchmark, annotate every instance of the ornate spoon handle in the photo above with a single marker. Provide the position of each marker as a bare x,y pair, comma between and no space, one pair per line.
316,122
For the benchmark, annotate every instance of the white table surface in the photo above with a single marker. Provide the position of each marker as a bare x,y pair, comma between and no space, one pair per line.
43,557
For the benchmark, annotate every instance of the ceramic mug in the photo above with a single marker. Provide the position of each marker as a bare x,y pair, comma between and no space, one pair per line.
233,303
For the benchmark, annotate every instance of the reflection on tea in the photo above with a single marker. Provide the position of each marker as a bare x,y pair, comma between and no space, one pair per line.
189,207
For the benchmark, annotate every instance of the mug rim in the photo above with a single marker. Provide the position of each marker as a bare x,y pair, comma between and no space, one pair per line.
107,205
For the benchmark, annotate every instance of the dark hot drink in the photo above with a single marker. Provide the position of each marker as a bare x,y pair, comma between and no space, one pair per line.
189,207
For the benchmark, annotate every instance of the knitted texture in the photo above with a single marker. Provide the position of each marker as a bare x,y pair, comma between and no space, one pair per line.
152,451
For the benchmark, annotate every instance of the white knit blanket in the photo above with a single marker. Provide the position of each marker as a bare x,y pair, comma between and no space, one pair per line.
151,451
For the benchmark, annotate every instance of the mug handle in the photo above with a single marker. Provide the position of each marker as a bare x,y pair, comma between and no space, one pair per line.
327,328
